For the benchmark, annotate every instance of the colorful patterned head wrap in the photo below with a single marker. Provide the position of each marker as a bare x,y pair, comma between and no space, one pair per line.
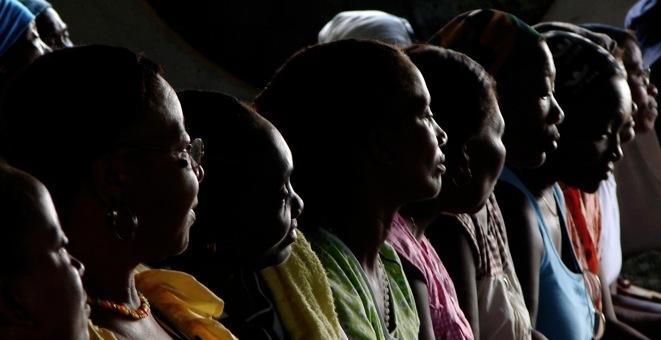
14,20
596,37
490,37
581,66
619,35
370,25
36,6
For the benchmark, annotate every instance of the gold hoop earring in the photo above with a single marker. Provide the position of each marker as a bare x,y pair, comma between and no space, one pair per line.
124,233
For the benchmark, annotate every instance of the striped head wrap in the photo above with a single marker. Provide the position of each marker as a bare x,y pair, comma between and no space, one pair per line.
581,66
597,37
492,38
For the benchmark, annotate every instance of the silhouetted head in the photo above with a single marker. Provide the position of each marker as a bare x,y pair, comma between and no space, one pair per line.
518,58
248,207
41,283
464,102
592,89
355,112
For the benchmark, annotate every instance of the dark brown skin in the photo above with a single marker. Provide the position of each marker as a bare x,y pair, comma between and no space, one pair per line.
450,233
420,293
615,328
525,242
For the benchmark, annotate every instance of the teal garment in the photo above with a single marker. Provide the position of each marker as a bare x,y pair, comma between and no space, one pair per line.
14,21
354,300
565,309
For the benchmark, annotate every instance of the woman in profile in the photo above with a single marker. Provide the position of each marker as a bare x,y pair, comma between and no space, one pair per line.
463,224
110,145
356,116
246,246
520,61
593,91
43,292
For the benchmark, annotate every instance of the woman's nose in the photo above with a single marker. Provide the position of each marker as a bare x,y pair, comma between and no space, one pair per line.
556,115
441,136
297,206
652,90
617,153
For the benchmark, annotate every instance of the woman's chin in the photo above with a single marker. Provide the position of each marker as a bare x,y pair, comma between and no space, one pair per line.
279,257
177,247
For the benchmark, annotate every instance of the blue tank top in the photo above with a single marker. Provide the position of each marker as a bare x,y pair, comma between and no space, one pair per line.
565,309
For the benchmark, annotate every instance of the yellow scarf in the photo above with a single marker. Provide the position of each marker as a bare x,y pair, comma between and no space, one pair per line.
302,294
186,303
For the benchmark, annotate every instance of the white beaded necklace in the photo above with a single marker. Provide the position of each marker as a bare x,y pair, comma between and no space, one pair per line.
385,286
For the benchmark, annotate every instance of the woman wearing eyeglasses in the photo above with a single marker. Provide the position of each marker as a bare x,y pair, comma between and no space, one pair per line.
107,138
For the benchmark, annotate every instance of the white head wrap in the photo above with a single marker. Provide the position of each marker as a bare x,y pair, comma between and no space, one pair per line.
368,25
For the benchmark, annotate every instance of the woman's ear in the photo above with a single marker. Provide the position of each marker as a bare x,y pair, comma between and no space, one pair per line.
108,179
466,160
460,172
380,148
12,310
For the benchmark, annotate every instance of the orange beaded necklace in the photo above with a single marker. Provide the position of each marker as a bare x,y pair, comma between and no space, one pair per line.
136,314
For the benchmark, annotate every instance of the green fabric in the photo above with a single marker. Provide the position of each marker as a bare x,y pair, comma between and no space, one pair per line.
354,301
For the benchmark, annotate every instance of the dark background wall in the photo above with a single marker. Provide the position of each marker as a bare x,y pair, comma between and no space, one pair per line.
235,46
252,37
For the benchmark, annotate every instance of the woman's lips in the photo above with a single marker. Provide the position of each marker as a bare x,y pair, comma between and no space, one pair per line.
552,141
607,170
441,165
292,236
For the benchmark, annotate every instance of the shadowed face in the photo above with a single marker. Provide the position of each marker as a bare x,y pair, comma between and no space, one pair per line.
486,152
530,109
264,223
416,140
51,290
476,160
589,147
53,31
160,186
24,51
643,92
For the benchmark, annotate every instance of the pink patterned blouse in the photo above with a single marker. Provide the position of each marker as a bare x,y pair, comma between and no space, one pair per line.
448,320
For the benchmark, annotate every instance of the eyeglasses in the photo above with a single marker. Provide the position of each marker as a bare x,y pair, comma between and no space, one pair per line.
194,149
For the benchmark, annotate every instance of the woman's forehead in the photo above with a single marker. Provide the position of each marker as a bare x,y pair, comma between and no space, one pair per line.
163,114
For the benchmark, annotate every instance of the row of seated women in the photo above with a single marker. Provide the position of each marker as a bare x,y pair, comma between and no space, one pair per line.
432,176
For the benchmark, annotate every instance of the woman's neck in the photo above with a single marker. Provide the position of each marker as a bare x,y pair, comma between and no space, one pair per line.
111,282
538,181
363,231
418,217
